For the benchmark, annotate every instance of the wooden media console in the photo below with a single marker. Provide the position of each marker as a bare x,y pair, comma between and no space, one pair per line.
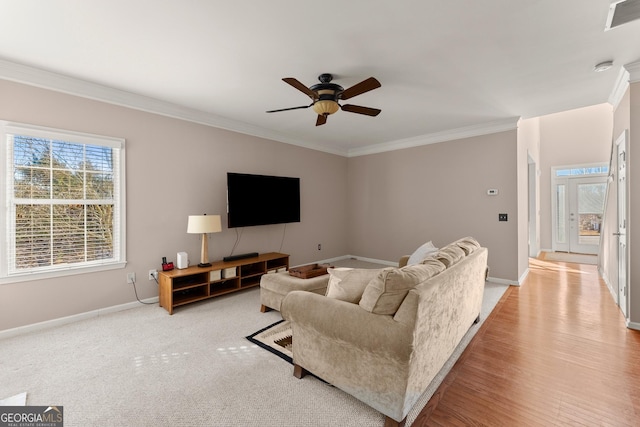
183,286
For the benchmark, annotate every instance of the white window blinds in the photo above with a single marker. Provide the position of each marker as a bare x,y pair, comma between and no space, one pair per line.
64,200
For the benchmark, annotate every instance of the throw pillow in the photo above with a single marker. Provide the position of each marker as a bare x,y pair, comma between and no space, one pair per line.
385,292
421,253
348,284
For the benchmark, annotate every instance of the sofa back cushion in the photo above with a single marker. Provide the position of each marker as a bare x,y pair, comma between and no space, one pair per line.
467,244
448,255
386,291
348,284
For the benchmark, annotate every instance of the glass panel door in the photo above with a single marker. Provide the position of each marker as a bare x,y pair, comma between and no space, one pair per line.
586,206
577,206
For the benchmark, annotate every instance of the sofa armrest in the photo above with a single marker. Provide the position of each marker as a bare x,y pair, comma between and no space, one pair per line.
403,260
347,323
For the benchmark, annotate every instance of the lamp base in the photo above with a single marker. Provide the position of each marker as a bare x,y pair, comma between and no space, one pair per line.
208,264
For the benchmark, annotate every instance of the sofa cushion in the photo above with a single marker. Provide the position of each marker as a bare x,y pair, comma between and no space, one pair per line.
448,255
434,263
421,253
348,284
386,291
467,244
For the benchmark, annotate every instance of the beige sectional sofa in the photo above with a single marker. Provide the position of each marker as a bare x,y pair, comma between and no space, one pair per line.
383,336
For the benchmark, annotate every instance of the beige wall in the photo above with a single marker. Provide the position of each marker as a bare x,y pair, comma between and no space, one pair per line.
401,199
174,168
573,137
392,202
528,193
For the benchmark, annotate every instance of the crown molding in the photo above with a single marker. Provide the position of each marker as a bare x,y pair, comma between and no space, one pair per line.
73,86
628,74
510,123
634,71
619,88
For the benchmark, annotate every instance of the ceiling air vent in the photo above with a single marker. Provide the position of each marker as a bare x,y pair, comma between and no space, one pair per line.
621,12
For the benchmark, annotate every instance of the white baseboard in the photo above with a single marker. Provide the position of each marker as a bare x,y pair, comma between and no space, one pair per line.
524,276
74,318
395,264
502,281
327,260
613,292
507,281
615,296
373,260
102,311
340,258
633,325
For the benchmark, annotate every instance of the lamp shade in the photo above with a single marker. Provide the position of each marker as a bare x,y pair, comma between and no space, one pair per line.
204,224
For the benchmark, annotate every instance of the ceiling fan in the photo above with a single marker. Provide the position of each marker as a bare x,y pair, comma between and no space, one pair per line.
325,96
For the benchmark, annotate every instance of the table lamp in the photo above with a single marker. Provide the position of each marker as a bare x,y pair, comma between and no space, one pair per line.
203,224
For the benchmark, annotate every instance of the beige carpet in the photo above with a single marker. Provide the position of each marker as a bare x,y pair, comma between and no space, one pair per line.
144,367
570,257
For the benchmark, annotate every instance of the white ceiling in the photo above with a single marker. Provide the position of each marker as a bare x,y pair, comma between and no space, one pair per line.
444,65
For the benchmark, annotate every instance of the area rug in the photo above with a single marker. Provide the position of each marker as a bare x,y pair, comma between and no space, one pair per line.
275,338
571,257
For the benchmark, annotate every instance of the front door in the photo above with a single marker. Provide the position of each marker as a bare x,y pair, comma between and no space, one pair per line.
586,206
578,206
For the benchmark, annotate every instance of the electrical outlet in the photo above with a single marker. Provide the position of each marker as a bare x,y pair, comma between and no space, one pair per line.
131,278
319,246
503,217
153,274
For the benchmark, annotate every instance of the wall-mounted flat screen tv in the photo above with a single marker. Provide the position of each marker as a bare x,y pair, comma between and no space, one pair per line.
262,199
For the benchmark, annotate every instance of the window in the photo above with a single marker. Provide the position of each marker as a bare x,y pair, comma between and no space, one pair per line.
582,171
63,203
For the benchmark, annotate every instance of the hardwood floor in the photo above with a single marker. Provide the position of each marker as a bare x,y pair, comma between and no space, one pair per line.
554,351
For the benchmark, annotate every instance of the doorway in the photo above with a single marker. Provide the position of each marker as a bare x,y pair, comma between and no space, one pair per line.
578,195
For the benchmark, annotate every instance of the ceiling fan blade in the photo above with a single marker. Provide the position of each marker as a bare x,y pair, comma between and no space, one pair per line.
360,110
290,108
302,88
362,87
321,120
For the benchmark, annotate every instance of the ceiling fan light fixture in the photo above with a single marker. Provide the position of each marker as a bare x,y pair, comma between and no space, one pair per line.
325,96
325,107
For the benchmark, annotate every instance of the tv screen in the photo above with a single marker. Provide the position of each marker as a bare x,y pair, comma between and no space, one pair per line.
262,199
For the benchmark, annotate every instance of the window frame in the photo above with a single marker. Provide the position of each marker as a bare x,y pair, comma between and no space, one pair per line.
6,225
